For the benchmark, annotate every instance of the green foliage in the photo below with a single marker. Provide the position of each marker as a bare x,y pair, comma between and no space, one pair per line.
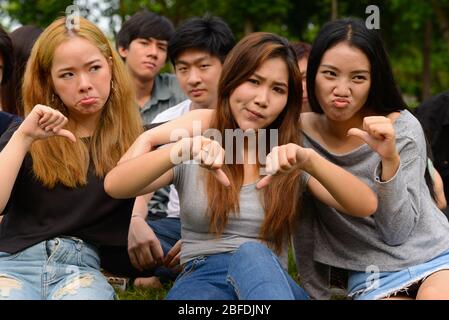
402,24
40,13
134,293
292,271
440,74
256,15
407,71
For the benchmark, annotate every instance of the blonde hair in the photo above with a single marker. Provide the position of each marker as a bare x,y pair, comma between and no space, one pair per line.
57,160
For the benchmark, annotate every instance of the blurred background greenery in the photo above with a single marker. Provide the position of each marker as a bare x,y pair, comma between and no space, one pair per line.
416,31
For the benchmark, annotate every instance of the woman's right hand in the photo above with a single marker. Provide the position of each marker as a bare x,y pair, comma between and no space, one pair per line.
44,122
208,153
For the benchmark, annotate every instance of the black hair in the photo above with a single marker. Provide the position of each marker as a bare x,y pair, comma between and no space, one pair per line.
210,34
144,24
302,49
6,52
23,39
427,174
384,96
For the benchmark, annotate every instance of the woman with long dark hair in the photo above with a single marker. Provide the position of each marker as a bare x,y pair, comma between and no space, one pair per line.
235,225
361,122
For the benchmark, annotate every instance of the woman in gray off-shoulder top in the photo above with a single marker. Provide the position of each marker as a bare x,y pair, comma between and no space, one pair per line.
360,122
235,227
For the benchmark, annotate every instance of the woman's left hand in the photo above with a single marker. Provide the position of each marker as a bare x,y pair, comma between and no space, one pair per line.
379,134
208,153
284,159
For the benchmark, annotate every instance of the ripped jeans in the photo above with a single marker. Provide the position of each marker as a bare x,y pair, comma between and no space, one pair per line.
55,269
374,286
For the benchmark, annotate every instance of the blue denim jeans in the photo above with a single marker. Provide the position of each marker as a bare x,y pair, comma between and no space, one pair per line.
252,272
374,286
168,231
56,269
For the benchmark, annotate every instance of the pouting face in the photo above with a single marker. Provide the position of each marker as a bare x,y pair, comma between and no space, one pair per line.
198,74
81,77
343,82
258,101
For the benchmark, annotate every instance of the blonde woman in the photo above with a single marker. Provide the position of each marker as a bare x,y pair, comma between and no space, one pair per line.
80,118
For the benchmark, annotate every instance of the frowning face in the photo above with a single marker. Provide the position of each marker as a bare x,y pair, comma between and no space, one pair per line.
198,73
145,57
81,77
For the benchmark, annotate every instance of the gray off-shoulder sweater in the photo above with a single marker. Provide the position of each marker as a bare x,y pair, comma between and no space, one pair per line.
407,229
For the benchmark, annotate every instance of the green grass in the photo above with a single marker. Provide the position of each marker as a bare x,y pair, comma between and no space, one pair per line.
134,293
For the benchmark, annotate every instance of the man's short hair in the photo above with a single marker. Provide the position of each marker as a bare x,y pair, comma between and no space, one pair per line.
302,49
144,24
210,34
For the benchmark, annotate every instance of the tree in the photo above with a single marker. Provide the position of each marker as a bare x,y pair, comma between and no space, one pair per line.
334,15
416,32
441,10
40,13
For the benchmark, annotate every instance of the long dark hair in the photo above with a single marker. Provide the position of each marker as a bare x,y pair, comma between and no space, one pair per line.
6,53
384,96
427,174
280,206
23,39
